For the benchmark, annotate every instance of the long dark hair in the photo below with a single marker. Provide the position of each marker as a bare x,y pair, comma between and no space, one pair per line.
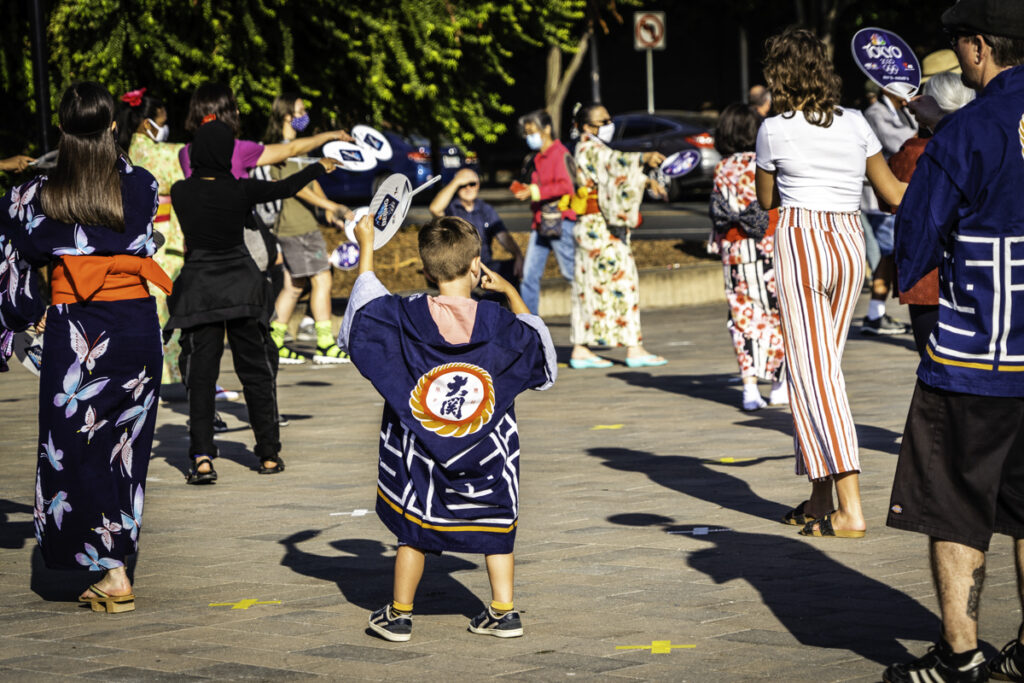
85,186
129,118
737,129
284,105
216,99
801,76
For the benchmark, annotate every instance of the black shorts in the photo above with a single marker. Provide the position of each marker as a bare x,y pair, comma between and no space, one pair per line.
960,475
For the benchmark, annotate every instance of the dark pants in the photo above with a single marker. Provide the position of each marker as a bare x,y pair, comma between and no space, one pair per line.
201,350
923,320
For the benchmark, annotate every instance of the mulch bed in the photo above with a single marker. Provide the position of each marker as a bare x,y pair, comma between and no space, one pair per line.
398,265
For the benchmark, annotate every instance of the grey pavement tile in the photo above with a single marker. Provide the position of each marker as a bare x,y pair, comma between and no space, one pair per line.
245,672
69,663
359,653
131,674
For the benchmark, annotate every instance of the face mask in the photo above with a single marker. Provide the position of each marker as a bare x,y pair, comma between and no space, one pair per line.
533,140
162,132
605,133
299,123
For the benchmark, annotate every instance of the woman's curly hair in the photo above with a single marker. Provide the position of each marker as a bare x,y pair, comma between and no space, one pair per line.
800,76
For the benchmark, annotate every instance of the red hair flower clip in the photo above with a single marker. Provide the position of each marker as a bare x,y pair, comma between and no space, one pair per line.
133,97
209,117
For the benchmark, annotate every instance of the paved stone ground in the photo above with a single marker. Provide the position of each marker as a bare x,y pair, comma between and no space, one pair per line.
622,470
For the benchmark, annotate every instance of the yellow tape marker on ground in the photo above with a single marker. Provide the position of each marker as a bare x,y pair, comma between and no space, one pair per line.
728,461
657,647
606,427
245,604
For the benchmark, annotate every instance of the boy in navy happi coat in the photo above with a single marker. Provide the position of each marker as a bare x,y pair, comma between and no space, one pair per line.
449,369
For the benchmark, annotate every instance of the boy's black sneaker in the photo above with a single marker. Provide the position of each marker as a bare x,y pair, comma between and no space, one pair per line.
1008,665
940,665
508,625
390,626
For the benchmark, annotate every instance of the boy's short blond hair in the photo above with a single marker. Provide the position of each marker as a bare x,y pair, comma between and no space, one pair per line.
448,246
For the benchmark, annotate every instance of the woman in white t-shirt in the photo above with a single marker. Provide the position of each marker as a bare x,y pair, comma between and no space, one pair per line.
811,161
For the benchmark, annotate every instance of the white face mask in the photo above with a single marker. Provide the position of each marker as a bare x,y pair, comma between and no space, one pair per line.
605,132
162,132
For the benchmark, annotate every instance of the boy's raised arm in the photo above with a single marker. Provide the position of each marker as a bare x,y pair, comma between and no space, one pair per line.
493,282
364,238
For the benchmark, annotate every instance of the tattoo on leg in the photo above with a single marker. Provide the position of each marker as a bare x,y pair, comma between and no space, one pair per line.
974,597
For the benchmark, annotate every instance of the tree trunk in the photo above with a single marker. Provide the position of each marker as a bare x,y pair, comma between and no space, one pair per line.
557,83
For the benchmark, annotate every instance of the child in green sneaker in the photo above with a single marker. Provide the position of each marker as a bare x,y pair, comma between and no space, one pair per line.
302,244
449,369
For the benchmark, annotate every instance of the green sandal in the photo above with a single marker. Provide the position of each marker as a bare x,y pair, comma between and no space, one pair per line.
330,354
287,356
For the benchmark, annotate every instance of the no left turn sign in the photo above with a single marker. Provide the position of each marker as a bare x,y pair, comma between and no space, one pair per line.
649,30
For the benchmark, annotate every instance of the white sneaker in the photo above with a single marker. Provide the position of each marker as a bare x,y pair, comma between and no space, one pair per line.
226,394
779,396
754,403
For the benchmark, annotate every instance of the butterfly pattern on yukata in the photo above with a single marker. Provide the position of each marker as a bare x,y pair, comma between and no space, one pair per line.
52,453
91,424
91,559
75,391
106,530
132,522
137,385
58,505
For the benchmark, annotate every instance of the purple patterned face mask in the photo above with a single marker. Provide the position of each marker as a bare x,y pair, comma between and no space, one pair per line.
299,123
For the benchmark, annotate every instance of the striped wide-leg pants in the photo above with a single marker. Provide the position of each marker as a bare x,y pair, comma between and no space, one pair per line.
819,271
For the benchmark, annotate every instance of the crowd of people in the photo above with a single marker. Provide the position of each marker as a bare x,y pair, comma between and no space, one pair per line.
158,252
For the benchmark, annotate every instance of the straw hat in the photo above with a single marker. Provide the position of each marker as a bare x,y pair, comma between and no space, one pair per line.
938,62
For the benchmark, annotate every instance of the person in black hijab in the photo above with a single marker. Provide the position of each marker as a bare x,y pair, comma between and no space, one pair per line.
220,289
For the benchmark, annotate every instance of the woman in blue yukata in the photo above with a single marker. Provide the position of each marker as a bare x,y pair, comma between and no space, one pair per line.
92,220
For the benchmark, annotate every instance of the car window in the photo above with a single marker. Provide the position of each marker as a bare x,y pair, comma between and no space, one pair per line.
636,127
659,126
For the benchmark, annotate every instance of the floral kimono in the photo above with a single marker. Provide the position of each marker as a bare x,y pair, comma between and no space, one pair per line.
161,159
744,236
100,374
606,298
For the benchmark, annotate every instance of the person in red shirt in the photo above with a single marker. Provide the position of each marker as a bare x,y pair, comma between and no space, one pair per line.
550,173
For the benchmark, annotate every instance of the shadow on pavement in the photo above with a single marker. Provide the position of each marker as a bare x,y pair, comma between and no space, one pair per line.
720,389
821,602
65,585
699,478
14,534
363,573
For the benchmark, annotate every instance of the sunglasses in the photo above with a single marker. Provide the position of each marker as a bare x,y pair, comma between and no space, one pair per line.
955,36
468,185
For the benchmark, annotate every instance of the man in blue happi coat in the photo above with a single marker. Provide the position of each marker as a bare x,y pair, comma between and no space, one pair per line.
960,475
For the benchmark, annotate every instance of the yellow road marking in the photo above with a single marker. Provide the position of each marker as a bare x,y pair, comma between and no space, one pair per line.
245,604
657,647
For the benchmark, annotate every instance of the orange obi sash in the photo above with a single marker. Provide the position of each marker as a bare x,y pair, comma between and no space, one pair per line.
163,210
106,278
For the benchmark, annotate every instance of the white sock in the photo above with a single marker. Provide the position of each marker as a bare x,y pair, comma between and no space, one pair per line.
752,397
876,309
780,393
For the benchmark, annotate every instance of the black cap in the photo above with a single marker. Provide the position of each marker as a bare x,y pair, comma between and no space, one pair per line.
991,17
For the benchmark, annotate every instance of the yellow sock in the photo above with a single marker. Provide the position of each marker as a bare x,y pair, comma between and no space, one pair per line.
500,608
401,607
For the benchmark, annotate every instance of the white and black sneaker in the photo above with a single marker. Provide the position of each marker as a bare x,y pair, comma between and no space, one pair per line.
886,325
487,623
940,665
1008,665
391,626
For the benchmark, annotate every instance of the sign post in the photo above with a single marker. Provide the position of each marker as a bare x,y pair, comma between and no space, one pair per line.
649,35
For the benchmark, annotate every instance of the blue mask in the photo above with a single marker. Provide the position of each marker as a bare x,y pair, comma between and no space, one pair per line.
533,140
299,123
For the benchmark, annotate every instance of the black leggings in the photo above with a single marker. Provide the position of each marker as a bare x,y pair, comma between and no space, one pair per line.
201,350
